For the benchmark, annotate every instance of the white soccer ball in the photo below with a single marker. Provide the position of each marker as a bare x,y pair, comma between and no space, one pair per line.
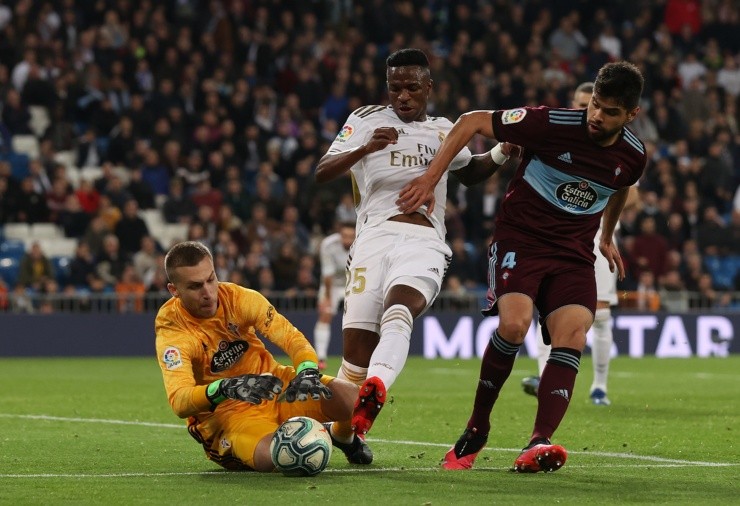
301,446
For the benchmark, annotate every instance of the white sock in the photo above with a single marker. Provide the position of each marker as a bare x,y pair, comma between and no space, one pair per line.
601,347
321,337
392,351
543,351
352,373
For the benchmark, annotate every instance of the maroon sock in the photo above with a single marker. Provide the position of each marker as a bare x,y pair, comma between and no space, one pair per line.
496,365
555,390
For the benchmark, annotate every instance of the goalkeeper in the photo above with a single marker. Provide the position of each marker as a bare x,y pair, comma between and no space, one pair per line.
219,375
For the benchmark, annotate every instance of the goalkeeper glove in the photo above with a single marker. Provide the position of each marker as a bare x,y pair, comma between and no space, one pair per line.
252,388
306,383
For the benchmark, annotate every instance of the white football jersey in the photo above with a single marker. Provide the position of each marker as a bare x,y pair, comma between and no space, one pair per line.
333,259
379,177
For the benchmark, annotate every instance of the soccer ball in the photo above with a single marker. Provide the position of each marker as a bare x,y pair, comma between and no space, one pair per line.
301,446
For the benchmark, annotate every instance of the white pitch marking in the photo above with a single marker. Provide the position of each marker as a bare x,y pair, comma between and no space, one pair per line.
658,460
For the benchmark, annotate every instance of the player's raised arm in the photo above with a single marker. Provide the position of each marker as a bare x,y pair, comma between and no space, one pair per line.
332,165
421,189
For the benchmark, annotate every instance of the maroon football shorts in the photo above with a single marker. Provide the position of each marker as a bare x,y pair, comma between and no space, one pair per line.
550,280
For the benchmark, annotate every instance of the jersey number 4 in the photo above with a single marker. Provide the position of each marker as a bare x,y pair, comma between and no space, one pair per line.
509,261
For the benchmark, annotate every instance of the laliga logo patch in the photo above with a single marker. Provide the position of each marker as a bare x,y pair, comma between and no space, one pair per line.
576,196
171,358
345,133
513,116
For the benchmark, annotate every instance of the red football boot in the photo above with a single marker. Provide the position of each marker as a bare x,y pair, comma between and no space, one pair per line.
369,402
540,455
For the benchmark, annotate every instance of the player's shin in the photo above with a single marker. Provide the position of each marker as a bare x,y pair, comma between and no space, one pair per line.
392,350
601,348
321,336
352,373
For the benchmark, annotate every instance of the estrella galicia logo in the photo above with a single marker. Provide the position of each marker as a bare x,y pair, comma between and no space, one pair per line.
228,354
576,196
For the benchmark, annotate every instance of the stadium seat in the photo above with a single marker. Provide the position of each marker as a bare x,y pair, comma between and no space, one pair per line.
72,174
153,218
66,158
9,270
61,269
46,231
19,231
18,164
12,248
91,173
40,119
27,145
61,247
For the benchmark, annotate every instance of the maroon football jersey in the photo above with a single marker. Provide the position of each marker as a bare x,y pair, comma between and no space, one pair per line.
560,189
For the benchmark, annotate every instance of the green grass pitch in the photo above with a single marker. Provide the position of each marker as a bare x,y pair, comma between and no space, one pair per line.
99,431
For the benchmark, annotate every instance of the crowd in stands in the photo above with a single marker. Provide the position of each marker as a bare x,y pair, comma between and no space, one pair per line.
209,117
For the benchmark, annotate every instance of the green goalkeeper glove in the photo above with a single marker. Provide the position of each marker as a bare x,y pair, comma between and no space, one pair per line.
306,383
252,388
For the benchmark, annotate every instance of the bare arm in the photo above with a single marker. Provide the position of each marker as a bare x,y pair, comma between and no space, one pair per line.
609,221
332,166
482,166
421,189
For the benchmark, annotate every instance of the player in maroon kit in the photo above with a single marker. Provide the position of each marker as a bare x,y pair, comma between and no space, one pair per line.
576,166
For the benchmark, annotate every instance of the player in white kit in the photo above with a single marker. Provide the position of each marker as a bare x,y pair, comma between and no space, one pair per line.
333,253
398,261
606,296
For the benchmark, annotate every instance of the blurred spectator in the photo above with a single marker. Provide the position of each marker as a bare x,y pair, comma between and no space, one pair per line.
178,208
346,211
147,259
31,205
8,202
121,142
111,262
35,268
712,234
82,268
649,249
140,189
15,115
72,218
130,291
116,191
463,266
154,173
205,195
131,228
237,199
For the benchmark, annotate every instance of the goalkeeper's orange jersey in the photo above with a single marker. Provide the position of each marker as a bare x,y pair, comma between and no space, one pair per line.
194,352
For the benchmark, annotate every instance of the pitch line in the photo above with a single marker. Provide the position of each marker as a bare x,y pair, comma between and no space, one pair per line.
237,474
666,462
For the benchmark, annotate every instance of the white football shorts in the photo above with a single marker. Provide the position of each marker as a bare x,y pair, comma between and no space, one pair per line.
606,281
337,296
390,254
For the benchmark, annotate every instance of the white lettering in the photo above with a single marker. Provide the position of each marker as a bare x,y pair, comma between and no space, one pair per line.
713,336
484,333
636,326
673,342
458,345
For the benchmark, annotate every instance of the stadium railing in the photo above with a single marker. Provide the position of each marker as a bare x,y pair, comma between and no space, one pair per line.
472,301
